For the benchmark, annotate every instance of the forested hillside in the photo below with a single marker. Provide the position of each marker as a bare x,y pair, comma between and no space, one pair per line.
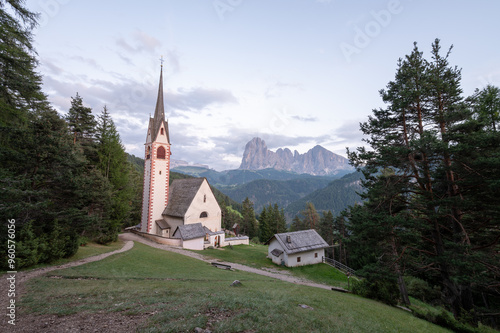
263,192
65,180
230,178
337,196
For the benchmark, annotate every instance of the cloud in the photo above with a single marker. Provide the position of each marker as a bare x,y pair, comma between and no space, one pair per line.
198,98
139,42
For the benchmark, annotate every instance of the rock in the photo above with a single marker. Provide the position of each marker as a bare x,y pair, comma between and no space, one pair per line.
201,330
236,283
303,306
317,161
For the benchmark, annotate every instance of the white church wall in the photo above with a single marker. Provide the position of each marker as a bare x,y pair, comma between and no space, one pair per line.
161,240
146,192
173,222
159,187
194,244
244,240
204,201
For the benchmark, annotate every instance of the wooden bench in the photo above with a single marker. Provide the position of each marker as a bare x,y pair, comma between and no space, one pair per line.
222,266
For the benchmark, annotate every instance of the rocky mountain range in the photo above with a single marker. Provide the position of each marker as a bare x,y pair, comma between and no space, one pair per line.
317,161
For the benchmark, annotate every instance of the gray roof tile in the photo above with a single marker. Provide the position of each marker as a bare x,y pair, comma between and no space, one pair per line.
182,193
189,231
300,241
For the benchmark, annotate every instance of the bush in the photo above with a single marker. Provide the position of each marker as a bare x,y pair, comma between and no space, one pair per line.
444,319
421,290
385,291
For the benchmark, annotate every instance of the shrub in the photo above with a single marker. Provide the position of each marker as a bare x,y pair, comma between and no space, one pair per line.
421,290
444,319
385,291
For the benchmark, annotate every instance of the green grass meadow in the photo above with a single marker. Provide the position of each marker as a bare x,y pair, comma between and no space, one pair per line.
255,256
179,293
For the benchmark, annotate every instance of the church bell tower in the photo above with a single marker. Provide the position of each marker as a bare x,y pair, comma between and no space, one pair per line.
156,166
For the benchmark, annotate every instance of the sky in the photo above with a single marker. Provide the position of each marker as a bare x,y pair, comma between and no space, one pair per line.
296,73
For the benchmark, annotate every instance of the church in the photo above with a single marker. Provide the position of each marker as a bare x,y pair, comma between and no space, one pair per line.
185,213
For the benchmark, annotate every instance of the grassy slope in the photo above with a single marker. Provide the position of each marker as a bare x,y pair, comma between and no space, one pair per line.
91,249
182,293
255,256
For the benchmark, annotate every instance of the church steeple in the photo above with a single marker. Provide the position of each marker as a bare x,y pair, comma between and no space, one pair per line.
160,108
156,167
159,116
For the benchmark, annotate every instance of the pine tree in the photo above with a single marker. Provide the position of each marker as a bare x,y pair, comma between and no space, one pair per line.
249,223
311,216
265,219
114,166
81,121
326,230
416,178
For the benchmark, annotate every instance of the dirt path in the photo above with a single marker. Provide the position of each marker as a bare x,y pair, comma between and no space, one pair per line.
284,276
103,321
20,279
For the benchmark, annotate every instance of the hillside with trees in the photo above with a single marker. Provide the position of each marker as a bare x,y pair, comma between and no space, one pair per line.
432,202
337,196
64,180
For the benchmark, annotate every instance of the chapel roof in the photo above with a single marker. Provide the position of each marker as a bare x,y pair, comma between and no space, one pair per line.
162,224
300,241
182,193
189,231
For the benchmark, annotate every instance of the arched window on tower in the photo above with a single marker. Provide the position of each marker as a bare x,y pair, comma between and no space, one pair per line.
203,214
161,131
148,153
160,153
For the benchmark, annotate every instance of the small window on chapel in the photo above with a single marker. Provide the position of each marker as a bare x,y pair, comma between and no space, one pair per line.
161,131
203,214
204,198
298,259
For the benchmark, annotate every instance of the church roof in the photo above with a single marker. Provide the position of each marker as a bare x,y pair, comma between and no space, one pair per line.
162,224
182,193
189,231
300,241
159,117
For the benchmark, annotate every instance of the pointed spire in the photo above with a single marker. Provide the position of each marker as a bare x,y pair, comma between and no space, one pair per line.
159,116
160,109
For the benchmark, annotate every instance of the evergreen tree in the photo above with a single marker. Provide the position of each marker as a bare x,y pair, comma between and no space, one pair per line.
265,219
279,224
81,121
114,166
326,231
416,179
297,224
249,224
311,217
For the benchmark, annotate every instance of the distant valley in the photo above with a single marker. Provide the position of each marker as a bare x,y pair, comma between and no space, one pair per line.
290,190
329,182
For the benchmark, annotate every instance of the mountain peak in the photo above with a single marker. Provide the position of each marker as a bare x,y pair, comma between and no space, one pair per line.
317,161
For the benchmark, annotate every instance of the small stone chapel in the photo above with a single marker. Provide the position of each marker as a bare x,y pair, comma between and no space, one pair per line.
185,213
